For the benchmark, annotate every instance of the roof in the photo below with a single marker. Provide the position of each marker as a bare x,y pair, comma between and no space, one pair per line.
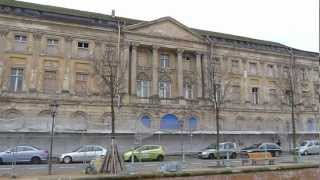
91,18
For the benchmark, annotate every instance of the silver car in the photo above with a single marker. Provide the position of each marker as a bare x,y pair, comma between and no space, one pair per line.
83,153
226,149
309,147
24,154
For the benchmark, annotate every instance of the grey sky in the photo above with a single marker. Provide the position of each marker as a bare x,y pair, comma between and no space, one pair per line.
291,22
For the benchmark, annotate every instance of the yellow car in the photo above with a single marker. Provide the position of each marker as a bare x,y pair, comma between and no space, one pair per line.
145,153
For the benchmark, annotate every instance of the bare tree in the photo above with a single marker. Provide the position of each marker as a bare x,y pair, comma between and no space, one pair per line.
291,90
109,69
217,87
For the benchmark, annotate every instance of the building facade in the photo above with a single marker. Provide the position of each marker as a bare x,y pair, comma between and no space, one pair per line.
48,53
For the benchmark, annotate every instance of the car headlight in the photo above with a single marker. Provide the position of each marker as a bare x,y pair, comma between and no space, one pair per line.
205,153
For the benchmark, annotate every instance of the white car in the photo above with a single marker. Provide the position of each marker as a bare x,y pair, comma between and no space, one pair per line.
309,147
226,150
83,153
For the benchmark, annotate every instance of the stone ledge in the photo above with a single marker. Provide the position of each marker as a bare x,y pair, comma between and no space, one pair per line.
197,172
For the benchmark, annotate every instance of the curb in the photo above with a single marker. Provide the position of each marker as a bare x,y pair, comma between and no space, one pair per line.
200,172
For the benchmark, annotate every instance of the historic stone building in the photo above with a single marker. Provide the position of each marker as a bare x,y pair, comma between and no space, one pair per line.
47,53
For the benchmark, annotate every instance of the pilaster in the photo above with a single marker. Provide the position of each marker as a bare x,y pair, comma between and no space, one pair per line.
134,68
155,64
180,72
67,74
36,50
199,75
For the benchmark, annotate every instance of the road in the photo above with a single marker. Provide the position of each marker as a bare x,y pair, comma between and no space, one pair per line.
77,168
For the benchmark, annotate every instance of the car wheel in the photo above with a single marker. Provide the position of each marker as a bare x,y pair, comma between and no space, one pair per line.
306,153
67,160
211,156
233,156
160,158
276,154
135,159
1,162
35,160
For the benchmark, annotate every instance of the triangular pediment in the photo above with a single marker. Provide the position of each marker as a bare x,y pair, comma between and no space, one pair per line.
165,27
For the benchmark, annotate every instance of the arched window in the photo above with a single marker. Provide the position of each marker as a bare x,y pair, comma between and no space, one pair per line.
311,126
169,121
192,123
146,121
11,114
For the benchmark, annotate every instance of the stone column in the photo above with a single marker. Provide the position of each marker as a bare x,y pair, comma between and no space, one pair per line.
205,59
36,50
199,75
180,73
245,93
155,63
134,69
264,96
126,61
3,34
67,77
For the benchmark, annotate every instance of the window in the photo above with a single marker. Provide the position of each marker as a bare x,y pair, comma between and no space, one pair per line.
52,42
270,70
164,61
146,121
188,91
286,72
20,38
272,96
81,83
235,94
16,79
234,65
82,44
143,88
255,96
164,89
253,68
50,81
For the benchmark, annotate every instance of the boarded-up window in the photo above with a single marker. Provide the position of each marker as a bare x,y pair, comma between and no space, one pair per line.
81,86
235,94
273,96
50,84
253,68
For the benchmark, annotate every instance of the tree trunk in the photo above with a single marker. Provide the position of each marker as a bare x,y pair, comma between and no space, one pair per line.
218,133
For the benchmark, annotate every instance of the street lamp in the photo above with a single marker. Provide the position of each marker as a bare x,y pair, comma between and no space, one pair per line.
181,124
53,108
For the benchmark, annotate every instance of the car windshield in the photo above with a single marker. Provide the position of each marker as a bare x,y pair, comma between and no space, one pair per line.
77,149
214,146
304,143
137,147
254,146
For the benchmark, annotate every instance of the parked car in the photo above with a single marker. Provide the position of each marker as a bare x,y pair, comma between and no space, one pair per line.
145,153
83,153
21,154
309,147
225,149
273,148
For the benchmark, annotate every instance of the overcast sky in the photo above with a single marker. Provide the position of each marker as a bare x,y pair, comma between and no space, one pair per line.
292,22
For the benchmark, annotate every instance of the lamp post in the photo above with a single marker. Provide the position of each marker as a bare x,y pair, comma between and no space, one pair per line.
53,108
181,124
